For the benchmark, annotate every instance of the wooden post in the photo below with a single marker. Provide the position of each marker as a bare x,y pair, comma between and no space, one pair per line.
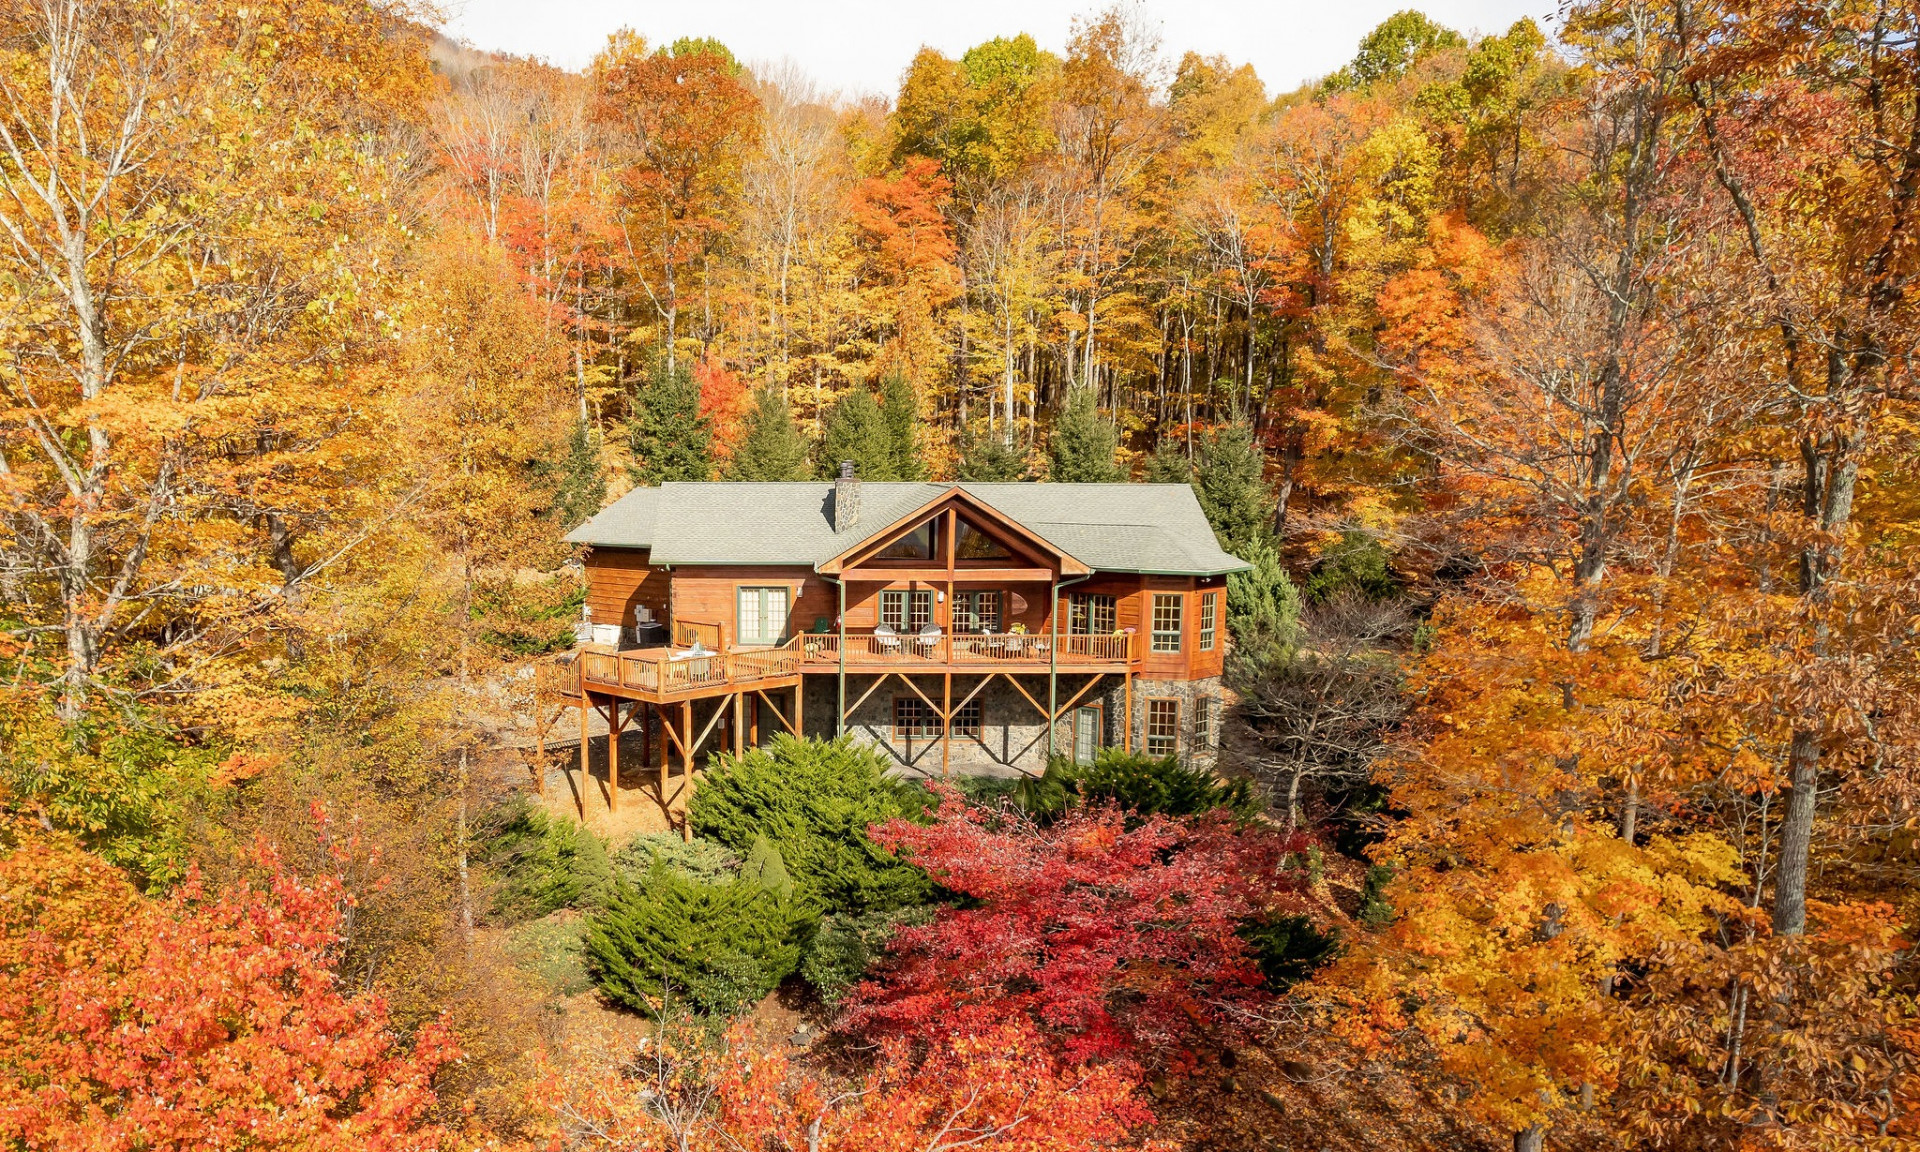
615,722
686,745
665,724
1053,660
799,693
586,702
739,724
946,724
753,733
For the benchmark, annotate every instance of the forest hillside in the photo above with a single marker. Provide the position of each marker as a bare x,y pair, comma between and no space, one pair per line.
1559,390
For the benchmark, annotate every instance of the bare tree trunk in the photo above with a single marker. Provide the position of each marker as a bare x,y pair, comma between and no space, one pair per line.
1796,836
1530,1139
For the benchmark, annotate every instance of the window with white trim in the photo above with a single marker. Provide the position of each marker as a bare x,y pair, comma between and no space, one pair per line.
1206,722
1163,727
905,611
1166,621
1207,620
762,617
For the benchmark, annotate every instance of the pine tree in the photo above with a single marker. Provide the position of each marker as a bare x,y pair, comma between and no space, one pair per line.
1263,607
986,458
1231,483
856,430
772,448
1083,445
901,411
582,486
669,437
1169,464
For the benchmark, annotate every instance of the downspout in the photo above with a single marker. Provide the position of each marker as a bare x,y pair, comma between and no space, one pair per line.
1053,659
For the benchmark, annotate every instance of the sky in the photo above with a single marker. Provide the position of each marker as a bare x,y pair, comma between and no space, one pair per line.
862,46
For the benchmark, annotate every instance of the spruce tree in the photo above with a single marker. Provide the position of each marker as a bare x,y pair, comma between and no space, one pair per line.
772,448
901,410
986,458
582,486
1230,481
1263,607
669,437
1083,444
1169,464
857,431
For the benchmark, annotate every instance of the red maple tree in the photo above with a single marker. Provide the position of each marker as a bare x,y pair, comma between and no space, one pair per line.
1114,936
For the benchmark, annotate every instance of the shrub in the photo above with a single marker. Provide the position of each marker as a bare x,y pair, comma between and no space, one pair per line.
541,864
721,946
1288,948
844,947
1137,783
814,800
1356,563
700,859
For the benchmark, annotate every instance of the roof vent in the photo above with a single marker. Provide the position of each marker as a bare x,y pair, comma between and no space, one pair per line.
846,498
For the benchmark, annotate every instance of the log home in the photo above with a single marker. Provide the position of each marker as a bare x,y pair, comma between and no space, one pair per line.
960,627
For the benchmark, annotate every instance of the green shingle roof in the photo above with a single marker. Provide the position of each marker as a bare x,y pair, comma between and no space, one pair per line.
1149,528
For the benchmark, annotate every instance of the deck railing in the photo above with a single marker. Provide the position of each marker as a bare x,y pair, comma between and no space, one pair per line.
866,648
663,674
687,633
556,677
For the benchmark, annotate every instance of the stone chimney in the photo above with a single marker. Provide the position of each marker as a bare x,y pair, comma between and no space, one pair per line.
846,498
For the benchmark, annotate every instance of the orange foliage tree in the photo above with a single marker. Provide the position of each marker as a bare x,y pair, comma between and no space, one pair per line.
997,1090
201,1022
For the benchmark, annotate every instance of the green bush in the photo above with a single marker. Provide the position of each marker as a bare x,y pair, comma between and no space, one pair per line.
1136,782
700,859
721,947
1288,948
844,947
1375,910
813,800
1356,563
541,863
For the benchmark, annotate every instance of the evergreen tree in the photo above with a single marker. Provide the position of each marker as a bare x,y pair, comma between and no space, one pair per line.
901,411
1169,464
857,431
1231,483
721,946
669,437
583,486
772,447
1083,444
986,458
1263,607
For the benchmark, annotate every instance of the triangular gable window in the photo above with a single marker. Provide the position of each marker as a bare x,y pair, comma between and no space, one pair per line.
915,545
973,544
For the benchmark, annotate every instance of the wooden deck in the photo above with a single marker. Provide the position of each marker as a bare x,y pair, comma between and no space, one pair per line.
660,675
669,675
655,690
